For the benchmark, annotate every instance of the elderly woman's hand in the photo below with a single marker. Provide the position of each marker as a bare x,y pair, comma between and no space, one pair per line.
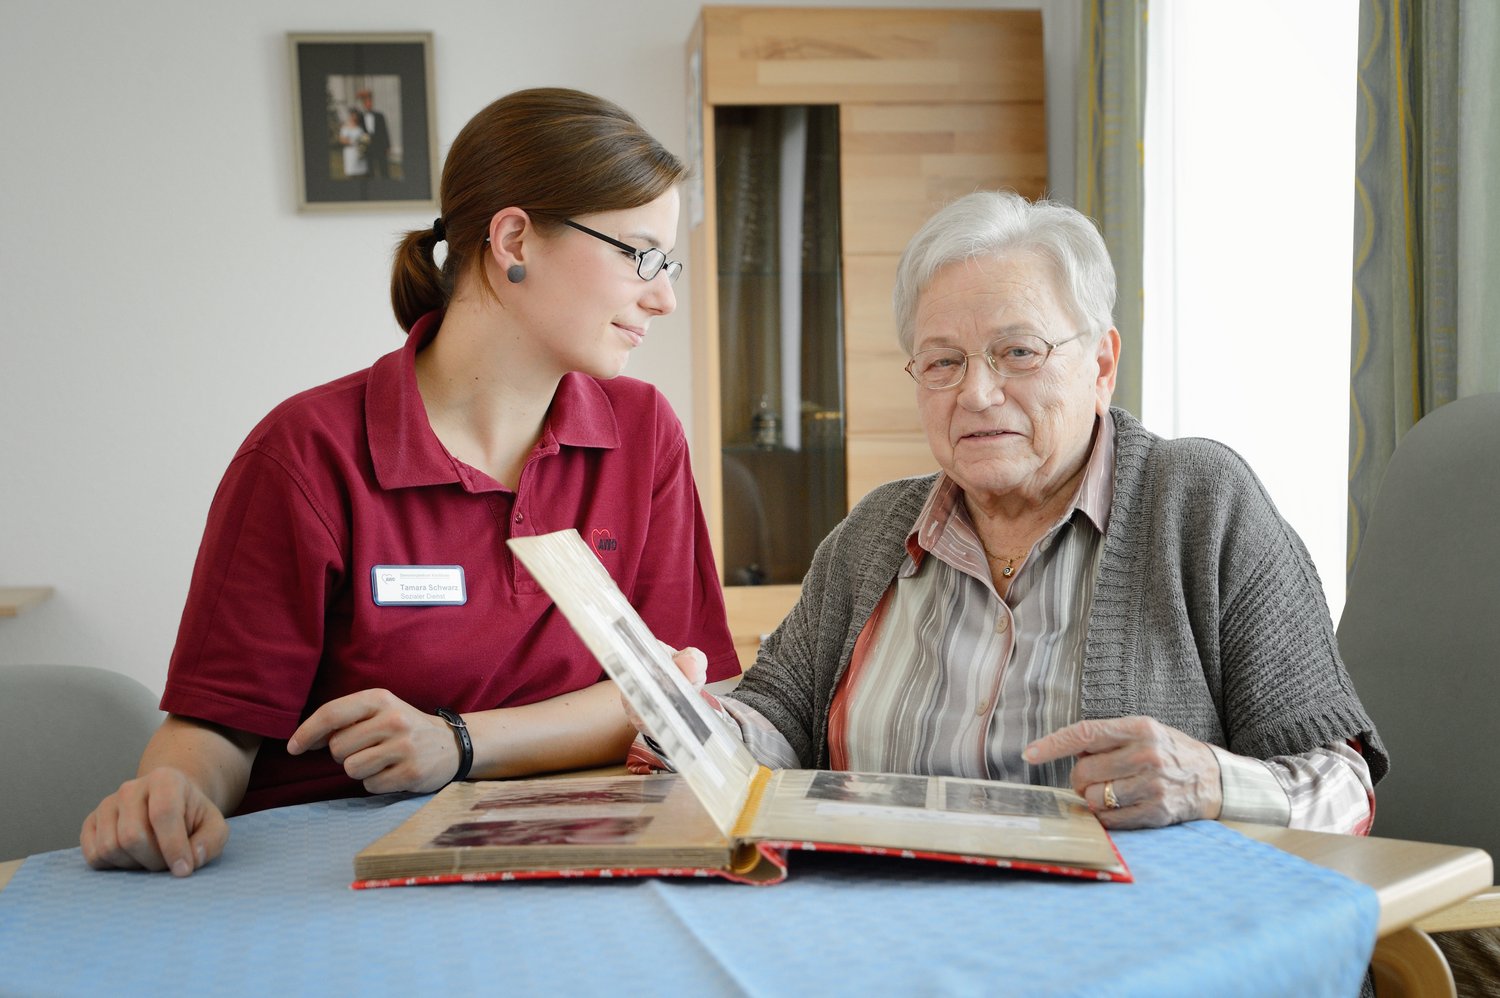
1136,772
693,665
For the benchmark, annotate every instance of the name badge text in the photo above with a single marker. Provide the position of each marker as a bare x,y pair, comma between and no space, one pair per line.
418,585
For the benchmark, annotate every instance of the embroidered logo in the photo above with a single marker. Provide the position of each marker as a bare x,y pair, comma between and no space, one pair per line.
601,540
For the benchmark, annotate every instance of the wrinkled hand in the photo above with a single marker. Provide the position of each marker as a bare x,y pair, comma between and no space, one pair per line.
1159,775
693,665
382,741
155,822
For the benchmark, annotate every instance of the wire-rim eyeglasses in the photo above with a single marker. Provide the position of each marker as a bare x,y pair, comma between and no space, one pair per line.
648,262
1011,356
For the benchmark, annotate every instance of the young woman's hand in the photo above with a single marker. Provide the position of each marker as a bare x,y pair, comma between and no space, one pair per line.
171,816
158,821
382,741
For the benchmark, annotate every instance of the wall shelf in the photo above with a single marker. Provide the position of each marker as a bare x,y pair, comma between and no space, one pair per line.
15,600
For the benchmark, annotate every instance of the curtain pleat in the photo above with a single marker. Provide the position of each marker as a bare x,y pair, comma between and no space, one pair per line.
1111,176
1416,207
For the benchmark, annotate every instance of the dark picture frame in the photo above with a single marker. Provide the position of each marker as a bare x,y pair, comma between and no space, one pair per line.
363,114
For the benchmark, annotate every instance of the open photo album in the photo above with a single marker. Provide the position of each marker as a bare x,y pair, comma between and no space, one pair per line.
721,813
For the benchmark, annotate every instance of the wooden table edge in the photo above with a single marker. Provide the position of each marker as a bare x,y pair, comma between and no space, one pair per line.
1446,874
1406,961
8,869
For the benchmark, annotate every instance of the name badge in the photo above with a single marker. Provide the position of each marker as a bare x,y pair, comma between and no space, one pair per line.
418,585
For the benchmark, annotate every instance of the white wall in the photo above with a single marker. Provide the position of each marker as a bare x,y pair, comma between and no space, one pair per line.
160,292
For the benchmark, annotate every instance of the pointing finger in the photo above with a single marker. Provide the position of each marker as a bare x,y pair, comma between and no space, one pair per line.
333,716
1084,737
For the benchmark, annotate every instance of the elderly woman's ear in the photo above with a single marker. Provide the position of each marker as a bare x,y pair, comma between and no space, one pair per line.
1109,368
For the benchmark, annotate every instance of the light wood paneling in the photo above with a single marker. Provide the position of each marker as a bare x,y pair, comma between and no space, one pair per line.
708,461
703,260
754,612
879,397
882,399
780,55
901,163
869,279
875,459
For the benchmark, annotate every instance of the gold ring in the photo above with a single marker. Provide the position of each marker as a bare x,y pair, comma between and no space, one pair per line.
1110,800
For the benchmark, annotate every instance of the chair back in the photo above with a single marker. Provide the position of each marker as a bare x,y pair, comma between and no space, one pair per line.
69,736
1420,631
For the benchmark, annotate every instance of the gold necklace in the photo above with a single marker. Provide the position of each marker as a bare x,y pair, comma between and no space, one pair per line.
1010,563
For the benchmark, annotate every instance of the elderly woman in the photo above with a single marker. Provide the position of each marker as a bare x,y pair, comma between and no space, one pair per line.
1071,598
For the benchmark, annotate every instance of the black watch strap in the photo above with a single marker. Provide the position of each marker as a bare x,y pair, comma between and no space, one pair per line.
465,744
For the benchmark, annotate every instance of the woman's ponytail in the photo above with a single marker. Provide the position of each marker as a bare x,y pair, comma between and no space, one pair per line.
417,284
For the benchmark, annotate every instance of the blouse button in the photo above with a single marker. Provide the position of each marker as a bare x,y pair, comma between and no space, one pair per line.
1002,623
520,517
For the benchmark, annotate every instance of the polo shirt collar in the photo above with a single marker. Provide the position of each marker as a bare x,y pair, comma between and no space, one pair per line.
581,415
406,453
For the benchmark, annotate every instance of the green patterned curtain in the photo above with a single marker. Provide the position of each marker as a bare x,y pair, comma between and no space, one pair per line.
1111,178
1426,228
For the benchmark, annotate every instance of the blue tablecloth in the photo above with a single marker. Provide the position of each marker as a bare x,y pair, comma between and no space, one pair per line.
1211,912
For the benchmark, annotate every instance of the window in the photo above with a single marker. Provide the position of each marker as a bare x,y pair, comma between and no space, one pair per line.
1249,160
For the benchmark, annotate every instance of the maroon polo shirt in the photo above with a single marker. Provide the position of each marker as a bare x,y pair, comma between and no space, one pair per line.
281,616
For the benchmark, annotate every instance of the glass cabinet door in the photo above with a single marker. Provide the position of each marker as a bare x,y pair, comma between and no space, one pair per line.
781,337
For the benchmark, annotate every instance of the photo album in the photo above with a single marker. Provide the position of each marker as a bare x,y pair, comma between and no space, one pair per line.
720,813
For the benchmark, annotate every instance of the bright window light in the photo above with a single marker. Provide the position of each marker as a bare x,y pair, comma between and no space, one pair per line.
1249,162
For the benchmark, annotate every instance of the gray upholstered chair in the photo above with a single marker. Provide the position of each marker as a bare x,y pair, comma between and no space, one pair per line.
1420,634
69,735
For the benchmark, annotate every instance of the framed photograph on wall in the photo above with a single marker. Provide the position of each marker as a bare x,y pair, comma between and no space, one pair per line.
363,121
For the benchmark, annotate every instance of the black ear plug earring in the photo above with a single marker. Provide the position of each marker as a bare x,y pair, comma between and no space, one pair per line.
515,273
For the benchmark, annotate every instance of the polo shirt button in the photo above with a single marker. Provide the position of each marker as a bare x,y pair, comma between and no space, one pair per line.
520,517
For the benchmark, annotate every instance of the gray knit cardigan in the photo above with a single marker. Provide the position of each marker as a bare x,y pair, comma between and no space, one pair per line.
1207,613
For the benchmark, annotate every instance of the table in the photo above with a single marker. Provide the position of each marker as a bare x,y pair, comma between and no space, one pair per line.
1408,878
1211,911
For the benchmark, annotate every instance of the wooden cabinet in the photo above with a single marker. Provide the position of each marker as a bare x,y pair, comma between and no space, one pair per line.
929,105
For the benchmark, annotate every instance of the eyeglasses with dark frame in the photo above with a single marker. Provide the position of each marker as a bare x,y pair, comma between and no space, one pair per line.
1013,356
648,262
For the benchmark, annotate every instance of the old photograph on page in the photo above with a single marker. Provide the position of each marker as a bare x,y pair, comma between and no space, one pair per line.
556,824
934,814
709,756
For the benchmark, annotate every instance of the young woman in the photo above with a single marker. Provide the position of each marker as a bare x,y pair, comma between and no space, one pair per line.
355,621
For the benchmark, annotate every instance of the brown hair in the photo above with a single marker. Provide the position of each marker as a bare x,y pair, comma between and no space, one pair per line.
553,152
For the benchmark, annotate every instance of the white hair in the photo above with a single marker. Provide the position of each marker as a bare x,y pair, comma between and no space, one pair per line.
993,223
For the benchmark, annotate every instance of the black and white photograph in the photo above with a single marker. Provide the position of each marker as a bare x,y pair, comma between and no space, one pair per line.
363,121
884,789
1001,798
